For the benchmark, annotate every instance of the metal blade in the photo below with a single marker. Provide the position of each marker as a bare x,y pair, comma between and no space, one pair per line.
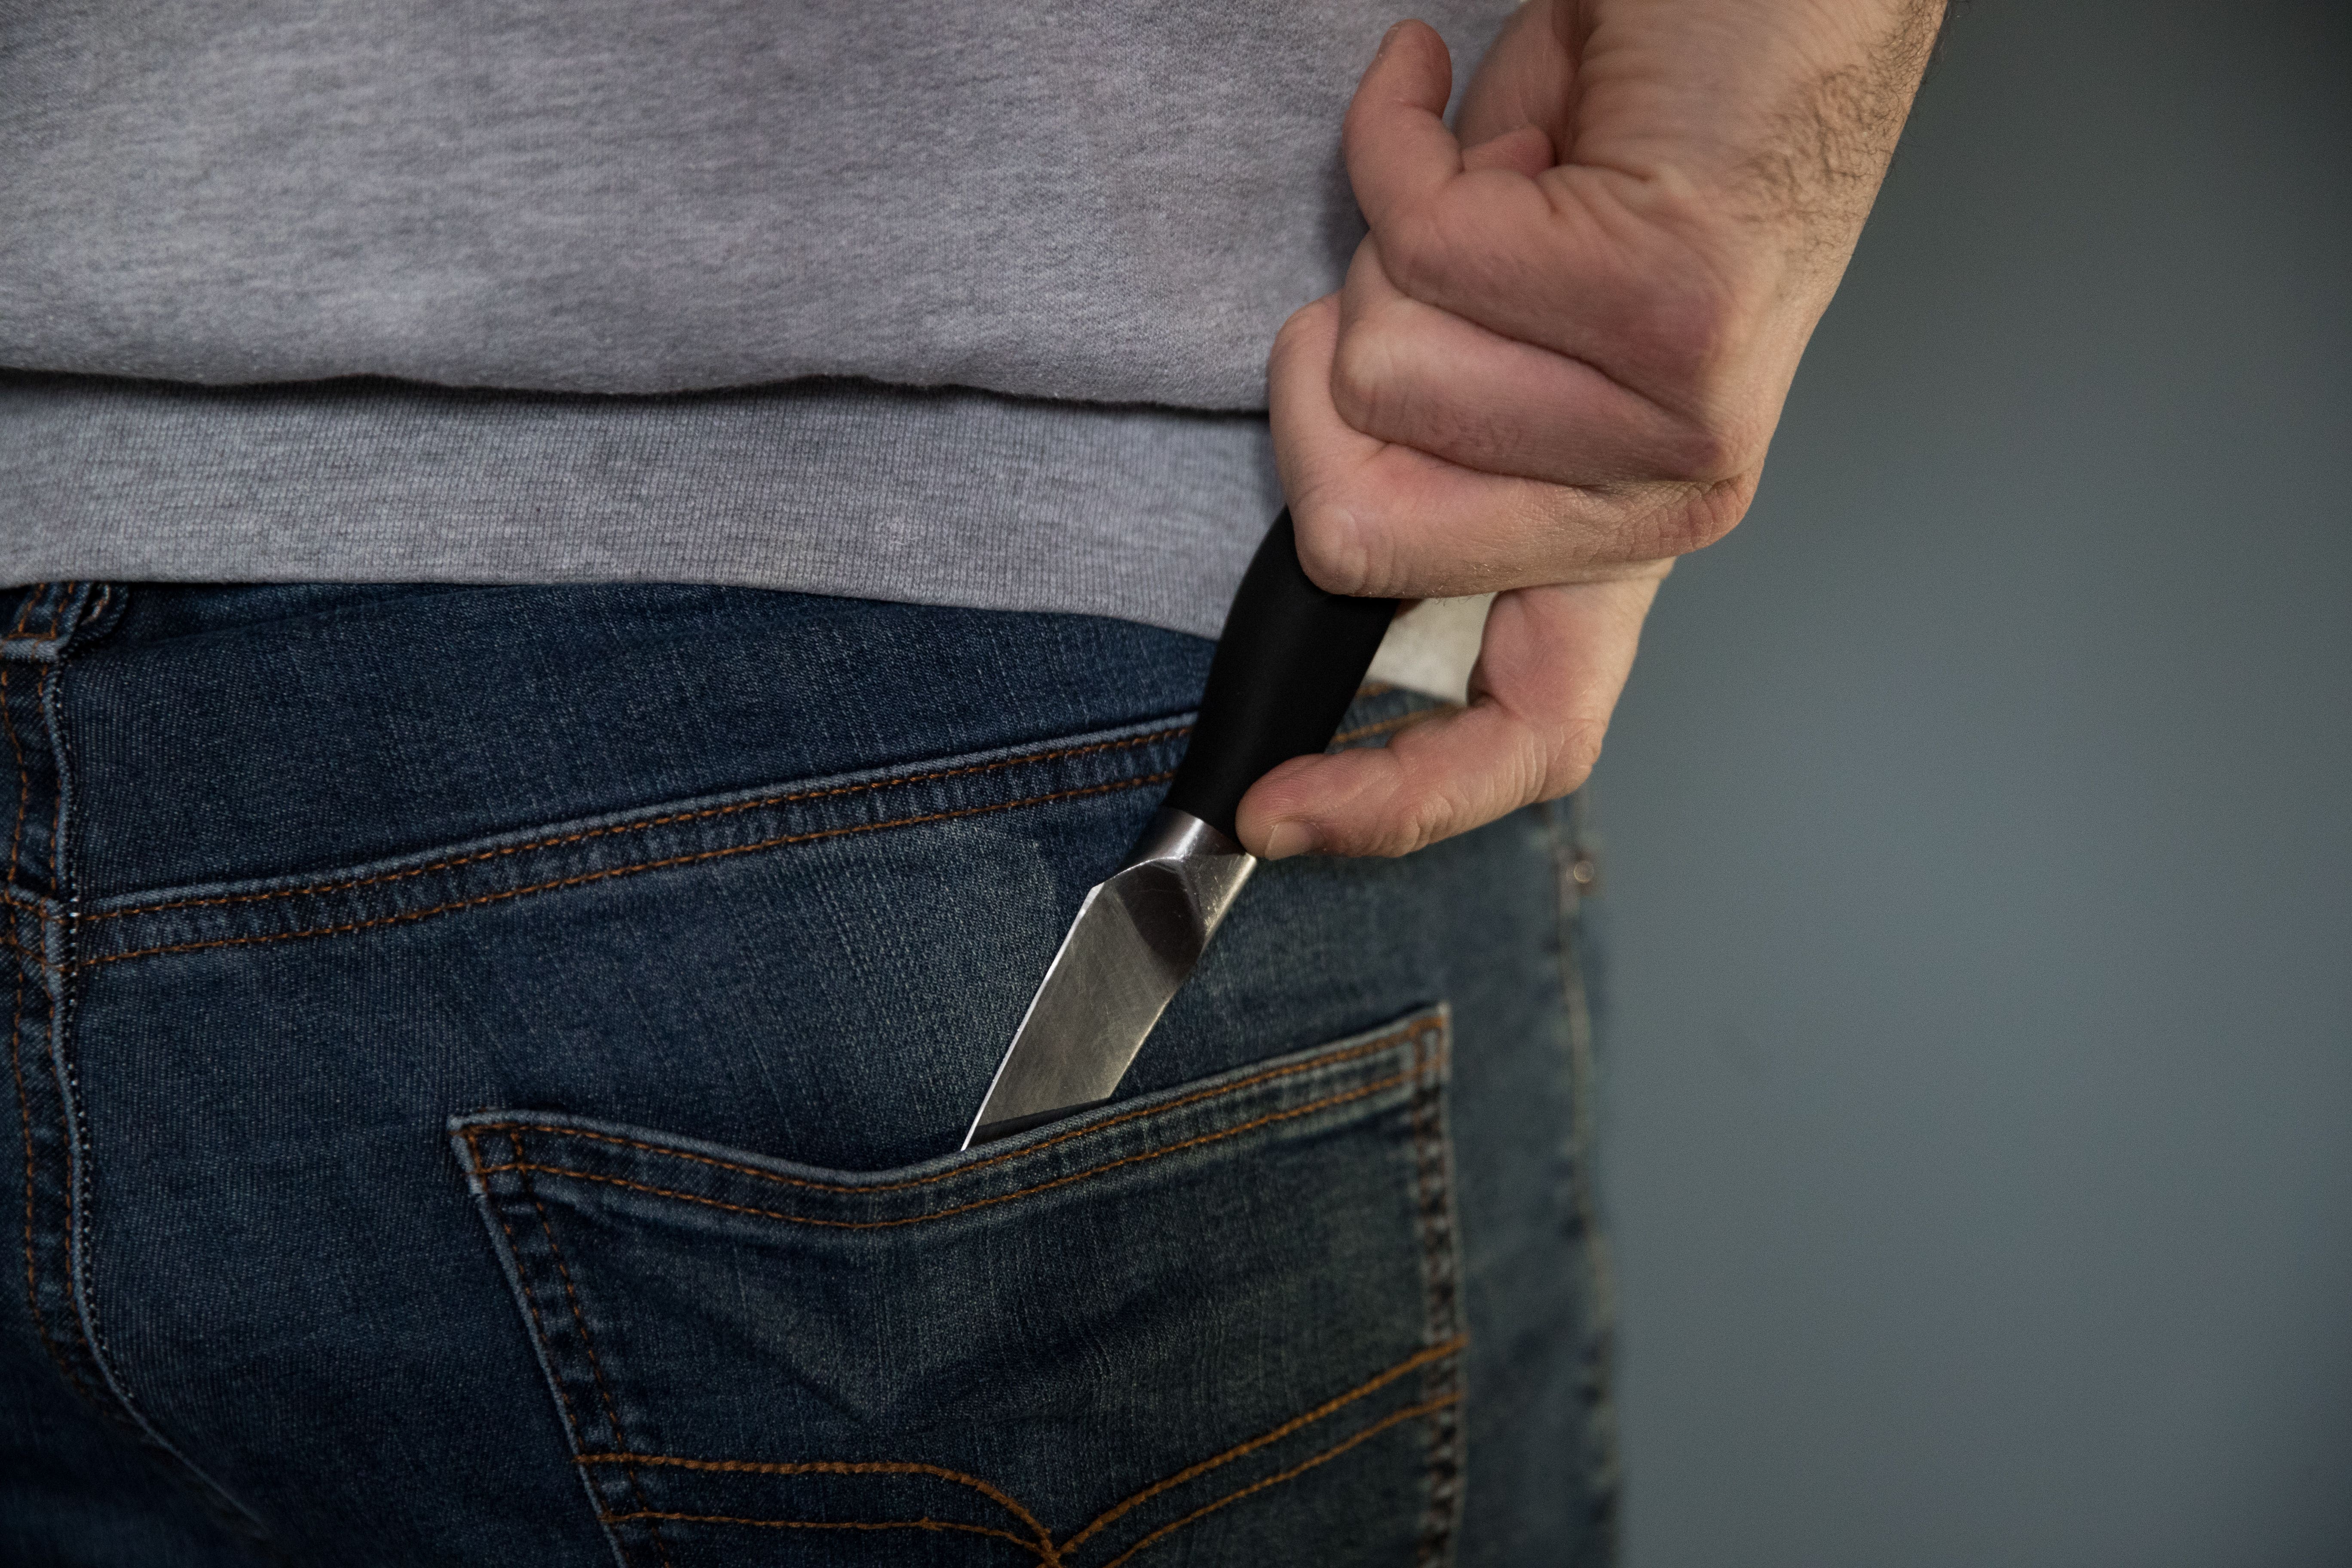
1135,940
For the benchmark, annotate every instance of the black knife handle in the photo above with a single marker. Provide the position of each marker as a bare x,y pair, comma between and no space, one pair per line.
1288,663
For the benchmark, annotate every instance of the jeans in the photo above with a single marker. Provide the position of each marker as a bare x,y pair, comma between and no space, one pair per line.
486,1064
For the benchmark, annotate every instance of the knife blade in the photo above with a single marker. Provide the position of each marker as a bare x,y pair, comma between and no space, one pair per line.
1288,661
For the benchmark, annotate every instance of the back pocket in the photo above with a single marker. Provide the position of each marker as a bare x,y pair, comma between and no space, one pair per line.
1217,1325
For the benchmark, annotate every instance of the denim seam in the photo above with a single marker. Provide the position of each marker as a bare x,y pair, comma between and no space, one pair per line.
563,840
584,878
1427,1038
72,610
1051,1556
497,1210
1442,1388
1394,1419
939,1526
24,777
16,1043
1346,1096
1043,1545
1418,1027
81,1345
38,594
1049,1553
1602,1466
495,869
32,1271
530,1300
1413,1362
595,1366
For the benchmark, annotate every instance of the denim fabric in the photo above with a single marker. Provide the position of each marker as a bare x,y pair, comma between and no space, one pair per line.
485,1063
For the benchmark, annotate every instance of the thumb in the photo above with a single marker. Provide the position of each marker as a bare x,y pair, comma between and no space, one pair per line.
1526,84
1398,148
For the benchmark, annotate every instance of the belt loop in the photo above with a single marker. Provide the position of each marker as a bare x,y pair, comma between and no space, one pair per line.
48,616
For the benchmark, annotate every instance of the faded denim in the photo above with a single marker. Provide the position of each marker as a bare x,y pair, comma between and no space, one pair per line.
485,1062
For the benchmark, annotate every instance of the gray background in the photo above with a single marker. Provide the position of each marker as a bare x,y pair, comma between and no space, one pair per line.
1980,907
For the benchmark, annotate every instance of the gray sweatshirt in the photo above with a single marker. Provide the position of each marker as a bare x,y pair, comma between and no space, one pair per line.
944,301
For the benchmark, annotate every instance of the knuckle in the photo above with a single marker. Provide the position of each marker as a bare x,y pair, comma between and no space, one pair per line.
1431,819
1299,323
1417,255
1298,332
1708,452
1694,516
1698,332
1575,754
1689,340
1360,379
1331,549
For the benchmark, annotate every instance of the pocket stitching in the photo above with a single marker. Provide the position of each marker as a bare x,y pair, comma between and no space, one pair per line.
588,1343
559,840
1050,1553
676,1516
539,1330
583,878
1417,1028
1417,1360
1442,1383
996,1494
1438,1358
1324,1104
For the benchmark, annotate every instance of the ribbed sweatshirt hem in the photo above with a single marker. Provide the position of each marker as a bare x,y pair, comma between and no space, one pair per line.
947,496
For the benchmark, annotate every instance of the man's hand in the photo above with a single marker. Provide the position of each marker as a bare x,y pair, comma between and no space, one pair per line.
1560,355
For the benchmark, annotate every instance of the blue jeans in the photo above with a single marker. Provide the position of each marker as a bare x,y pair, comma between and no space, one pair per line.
487,1062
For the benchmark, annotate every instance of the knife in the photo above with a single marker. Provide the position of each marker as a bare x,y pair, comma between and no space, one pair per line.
1288,663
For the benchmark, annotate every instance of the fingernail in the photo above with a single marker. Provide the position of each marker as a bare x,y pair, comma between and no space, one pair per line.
1284,839
1387,39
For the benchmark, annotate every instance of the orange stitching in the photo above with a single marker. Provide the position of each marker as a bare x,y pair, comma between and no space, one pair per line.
1429,1194
42,692
841,1468
1333,1452
538,1323
17,1044
580,1318
931,1524
24,611
1370,1088
32,1276
1193,1471
1419,1025
57,611
16,838
24,775
586,878
1045,1547
529,1299
1051,1554
555,843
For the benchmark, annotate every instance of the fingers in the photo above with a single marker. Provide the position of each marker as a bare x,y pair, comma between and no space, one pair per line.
1375,517
1409,373
1592,263
1550,667
1398,149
